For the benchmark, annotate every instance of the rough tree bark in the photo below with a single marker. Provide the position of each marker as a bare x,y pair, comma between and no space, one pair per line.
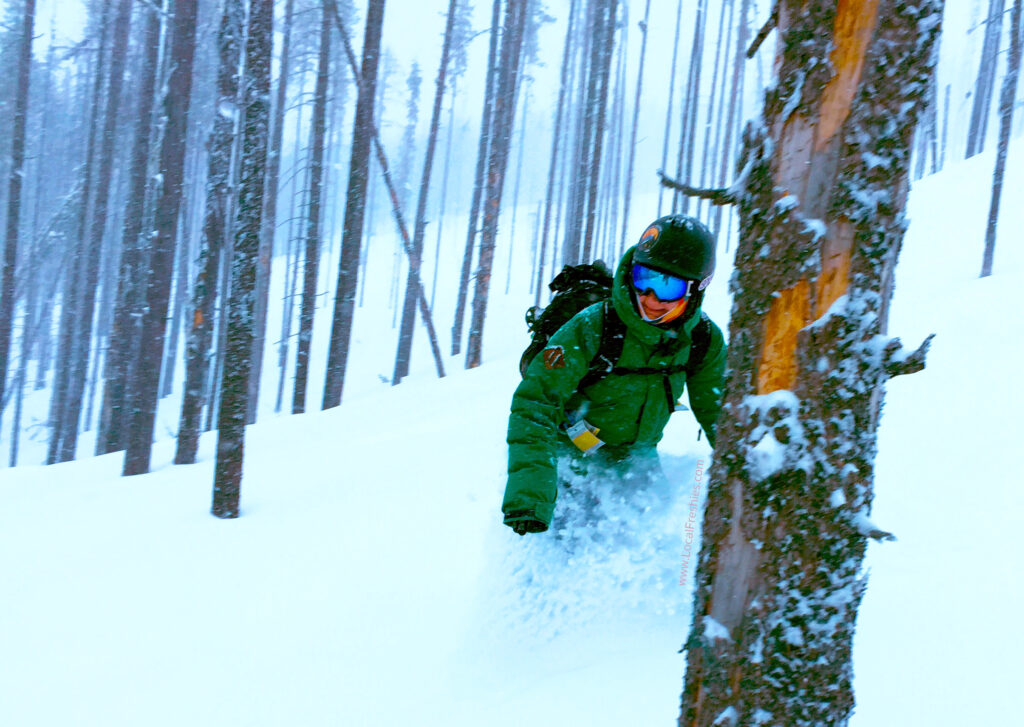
176,100
1009,93
211,241
821,197
269,231
234,382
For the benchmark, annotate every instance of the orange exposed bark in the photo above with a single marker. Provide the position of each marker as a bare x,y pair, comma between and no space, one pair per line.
789,313
854,25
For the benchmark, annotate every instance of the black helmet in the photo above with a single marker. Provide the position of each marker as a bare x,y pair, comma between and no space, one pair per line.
680,245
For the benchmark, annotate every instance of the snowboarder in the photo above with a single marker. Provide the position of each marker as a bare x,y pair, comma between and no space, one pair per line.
602,390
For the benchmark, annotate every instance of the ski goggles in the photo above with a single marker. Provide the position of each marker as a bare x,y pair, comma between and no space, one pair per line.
666,287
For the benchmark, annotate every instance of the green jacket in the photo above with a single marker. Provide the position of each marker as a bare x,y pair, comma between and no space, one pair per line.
630,410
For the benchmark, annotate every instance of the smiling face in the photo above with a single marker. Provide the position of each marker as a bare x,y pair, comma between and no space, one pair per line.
654,310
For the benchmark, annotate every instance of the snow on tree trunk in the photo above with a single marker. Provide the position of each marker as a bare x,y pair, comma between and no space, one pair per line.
821,197
212,239
412,291
234,382
176,100
268,234
497,163
1009,93
14,185
355,208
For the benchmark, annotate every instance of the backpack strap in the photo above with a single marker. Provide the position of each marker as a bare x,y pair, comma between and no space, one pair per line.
700,342
609,350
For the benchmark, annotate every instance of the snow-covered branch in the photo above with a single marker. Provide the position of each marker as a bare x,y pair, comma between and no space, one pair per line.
896,361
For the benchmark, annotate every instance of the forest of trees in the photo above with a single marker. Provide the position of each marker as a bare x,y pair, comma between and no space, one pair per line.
163,168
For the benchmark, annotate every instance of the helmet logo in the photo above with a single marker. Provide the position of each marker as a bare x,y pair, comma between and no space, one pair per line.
650,236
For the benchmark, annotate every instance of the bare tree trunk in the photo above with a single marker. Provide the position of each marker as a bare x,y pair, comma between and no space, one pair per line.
779,579
63,427
557,138
312,258
636,125
176,103
355,207
269,232
497,161
986,82
486,134
234,383
412,283
607,26
122,348
14,185
691,102
1006,103
215,225
671,95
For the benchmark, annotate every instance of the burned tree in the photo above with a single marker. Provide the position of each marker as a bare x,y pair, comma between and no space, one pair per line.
821,198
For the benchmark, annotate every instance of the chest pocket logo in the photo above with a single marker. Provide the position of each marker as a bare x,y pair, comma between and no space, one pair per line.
554,358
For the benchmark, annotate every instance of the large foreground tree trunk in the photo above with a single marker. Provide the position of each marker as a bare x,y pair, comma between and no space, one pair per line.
234,382
823,190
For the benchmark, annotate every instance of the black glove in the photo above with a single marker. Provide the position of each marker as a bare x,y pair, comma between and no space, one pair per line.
524,522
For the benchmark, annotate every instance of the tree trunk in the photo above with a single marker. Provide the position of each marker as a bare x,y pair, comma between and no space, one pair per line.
691,102
234,383
412,286
497,162
636,124
355,207
176,101
606,23
671,94
986,79
1006,103
211,243
486,124
122,347
269,232
779,578
312,258
14,185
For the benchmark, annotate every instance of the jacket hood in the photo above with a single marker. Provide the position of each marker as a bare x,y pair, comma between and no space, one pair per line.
649,333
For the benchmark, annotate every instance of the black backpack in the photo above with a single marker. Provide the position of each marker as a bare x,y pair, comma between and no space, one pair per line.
580,286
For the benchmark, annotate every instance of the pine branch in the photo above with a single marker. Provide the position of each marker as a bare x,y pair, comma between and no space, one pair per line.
716,196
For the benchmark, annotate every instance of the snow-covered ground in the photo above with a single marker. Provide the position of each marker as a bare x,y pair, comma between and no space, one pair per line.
369,580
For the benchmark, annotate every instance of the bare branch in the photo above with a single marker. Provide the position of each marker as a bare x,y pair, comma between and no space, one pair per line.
769,25
896,362
716,196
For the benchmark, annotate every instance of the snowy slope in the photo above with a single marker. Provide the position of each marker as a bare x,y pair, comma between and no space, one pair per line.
369,580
